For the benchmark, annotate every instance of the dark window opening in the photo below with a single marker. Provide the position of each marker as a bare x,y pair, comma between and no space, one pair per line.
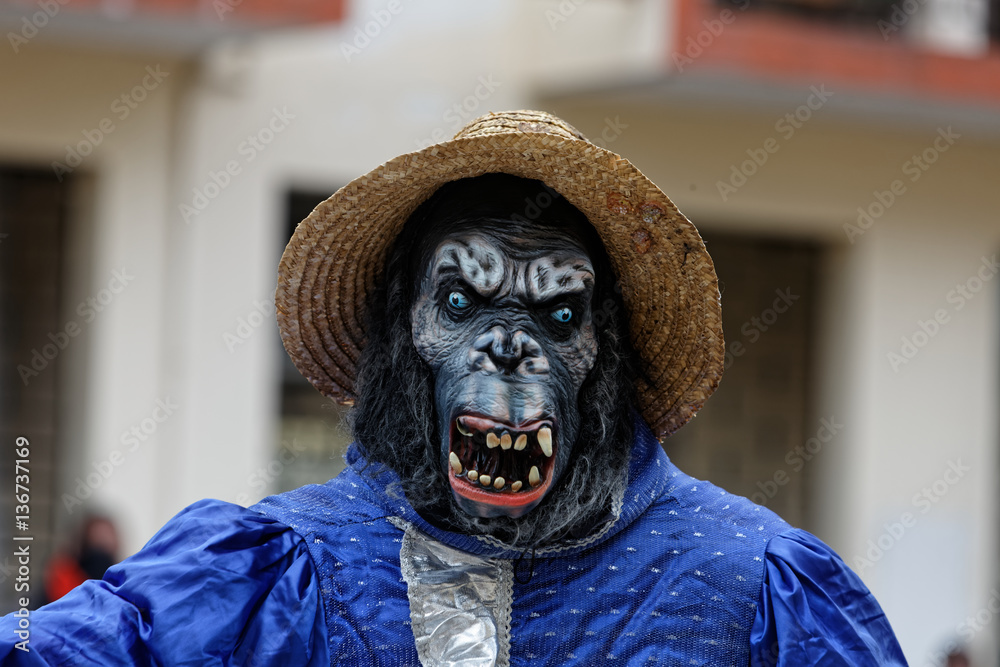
847,12
994,20
745,438
314,434
33,212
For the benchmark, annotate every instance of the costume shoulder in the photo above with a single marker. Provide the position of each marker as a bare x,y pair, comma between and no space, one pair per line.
707,523
815,611
345,500
217,585
355,547
809,607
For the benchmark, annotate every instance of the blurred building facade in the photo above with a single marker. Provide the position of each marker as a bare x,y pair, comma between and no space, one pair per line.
841,159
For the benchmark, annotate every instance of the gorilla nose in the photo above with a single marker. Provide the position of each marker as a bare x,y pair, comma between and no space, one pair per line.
517,353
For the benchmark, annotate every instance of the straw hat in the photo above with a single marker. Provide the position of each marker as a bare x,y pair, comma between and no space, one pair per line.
667,278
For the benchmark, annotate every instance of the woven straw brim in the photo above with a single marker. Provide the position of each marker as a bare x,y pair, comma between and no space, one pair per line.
667,279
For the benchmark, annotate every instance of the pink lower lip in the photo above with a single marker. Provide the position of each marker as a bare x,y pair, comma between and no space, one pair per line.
479,494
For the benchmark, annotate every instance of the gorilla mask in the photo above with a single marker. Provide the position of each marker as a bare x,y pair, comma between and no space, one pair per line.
498,379
503,319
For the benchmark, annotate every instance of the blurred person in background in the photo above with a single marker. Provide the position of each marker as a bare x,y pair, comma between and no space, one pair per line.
958,658
94,549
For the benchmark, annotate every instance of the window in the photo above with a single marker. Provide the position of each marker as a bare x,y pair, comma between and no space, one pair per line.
314,433
33,211
743,437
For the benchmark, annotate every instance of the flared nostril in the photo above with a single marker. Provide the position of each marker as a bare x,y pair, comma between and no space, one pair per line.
508,352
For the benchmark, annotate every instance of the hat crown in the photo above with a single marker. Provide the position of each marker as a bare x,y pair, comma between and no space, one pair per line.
516,122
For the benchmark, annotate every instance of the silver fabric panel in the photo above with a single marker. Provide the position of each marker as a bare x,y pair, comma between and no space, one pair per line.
460,604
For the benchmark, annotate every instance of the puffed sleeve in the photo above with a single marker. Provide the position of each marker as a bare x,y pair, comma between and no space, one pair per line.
218,585
815,611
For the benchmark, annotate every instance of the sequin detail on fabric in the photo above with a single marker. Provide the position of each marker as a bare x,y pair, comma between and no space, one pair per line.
679,586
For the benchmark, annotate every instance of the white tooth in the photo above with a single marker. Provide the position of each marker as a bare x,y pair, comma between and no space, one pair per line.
516,486
545,440
485,480
492,440
461,428
521,442
498,483
456,465
533,477
505,440
473,475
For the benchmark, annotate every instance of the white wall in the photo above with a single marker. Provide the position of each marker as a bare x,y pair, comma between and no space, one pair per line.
114,365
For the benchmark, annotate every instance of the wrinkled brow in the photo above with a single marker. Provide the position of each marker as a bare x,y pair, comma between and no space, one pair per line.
478,263
552,276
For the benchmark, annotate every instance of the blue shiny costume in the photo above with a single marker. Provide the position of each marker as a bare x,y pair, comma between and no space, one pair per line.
684,574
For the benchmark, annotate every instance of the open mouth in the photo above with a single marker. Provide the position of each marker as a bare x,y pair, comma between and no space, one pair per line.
501,464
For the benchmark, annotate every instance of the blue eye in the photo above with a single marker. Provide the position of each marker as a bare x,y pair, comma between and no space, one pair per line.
458,301
563,314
